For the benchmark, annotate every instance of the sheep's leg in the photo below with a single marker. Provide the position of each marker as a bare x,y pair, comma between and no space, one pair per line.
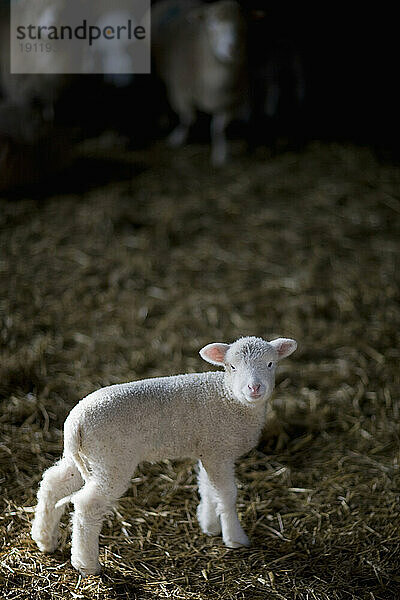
59,481
219,145
92,503
221,476
179,135
207,509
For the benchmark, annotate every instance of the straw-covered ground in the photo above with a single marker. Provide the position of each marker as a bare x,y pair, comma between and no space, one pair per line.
126,276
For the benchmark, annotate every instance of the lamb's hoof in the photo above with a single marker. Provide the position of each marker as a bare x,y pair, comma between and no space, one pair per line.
242,542
209,523
45,543
45,547
86,570
212,529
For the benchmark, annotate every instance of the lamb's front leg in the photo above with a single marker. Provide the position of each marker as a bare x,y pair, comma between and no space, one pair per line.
221,476
210,523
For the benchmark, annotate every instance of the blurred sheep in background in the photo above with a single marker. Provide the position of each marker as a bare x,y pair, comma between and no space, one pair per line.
259,71
199,52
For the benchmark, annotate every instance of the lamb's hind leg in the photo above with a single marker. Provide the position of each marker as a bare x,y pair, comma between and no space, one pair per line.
92,503
59,481
207,509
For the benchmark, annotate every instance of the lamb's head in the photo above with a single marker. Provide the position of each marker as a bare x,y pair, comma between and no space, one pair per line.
250,365
225,26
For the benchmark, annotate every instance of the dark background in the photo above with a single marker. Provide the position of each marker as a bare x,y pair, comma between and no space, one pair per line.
350,71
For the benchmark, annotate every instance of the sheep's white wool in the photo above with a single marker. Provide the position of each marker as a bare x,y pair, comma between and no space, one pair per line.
214,417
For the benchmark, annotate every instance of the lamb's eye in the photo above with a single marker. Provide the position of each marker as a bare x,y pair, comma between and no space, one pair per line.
233,368
270,365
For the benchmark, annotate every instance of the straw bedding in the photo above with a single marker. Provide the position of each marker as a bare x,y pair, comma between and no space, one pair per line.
109,281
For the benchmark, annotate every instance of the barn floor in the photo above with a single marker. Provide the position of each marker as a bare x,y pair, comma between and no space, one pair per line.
124,270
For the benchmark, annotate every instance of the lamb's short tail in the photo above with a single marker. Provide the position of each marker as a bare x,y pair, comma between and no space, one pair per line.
72,449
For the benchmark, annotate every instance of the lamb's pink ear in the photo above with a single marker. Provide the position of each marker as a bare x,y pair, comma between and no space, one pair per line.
284,346
214,353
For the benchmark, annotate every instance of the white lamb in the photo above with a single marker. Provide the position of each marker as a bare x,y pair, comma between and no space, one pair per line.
214,417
